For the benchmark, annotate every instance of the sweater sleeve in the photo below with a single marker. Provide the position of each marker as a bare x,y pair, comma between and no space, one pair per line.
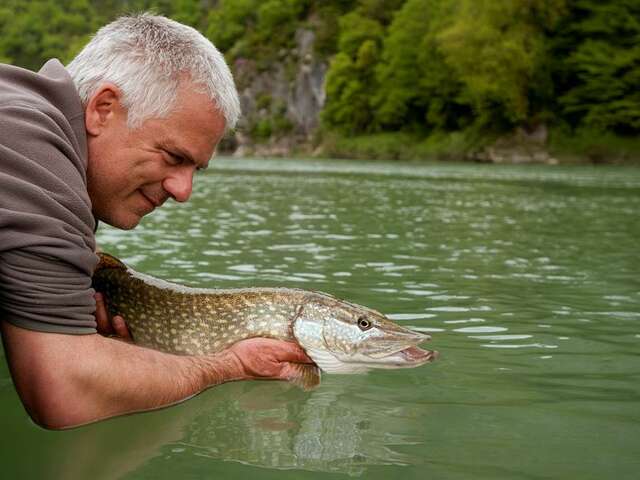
47,237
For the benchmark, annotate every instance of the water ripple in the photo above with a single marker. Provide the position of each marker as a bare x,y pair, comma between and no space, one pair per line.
529,308
409,316
529,345
501,337
480,329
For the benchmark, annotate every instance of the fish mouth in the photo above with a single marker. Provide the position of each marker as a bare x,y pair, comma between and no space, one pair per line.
406,341
406,354
418,356
407,358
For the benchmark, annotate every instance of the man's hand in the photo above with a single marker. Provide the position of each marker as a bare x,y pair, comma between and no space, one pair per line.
265,358
114,327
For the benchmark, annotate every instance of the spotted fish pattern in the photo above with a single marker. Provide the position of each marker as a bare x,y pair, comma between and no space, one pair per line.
339,336
194,321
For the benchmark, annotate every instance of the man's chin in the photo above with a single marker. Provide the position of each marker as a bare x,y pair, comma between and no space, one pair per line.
127,226
123,222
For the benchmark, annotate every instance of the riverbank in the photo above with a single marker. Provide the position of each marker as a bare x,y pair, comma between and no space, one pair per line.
556,147
540,146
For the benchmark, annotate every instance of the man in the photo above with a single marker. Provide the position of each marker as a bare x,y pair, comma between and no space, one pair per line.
111,137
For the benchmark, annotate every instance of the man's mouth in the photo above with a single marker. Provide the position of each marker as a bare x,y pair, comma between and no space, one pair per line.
154,203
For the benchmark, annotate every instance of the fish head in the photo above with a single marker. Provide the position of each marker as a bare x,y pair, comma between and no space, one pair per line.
342,337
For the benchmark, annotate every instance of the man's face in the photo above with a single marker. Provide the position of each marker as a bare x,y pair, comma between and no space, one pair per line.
131,172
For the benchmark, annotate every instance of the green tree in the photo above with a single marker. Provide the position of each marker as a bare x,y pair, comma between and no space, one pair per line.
347,108
355,29
496,49
230,21
599,77
350,81
324,20
417,89
254,29
277,21
33,32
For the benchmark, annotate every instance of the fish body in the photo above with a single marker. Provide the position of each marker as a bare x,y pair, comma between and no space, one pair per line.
339,336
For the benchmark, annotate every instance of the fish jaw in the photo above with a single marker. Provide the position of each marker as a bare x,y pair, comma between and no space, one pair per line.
391,341
410,357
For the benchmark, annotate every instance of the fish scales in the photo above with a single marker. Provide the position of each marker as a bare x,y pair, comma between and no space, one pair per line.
339,336
182,320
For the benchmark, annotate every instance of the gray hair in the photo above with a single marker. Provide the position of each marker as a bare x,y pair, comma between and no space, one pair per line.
147,57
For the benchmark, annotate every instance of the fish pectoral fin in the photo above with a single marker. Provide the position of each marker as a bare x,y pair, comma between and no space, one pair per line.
305,375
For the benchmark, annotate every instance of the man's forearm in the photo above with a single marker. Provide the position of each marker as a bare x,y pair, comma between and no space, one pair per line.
142,379
97,377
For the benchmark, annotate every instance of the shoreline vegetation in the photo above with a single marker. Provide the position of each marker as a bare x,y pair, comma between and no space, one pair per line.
499,81
583,148
560,148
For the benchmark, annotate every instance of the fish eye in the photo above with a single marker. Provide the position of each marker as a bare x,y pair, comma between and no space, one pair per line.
364,324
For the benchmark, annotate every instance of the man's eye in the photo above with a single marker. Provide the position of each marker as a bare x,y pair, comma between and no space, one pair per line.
174,159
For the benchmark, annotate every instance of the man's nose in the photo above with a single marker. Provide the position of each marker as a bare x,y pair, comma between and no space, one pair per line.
179,183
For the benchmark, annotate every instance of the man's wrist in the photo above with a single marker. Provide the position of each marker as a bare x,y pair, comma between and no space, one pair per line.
222,367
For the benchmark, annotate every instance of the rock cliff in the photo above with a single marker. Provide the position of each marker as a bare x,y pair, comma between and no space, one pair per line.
281,104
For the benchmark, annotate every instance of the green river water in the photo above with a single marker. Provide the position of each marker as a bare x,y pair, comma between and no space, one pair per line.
528,279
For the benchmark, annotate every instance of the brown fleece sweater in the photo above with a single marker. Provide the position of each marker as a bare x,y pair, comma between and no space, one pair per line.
47,229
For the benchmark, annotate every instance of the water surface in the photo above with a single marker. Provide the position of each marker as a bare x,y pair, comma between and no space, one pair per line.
527,278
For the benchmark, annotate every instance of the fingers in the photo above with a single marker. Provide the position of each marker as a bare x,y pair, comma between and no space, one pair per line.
102,316
268,358
120,328
293,353
114,327
277,350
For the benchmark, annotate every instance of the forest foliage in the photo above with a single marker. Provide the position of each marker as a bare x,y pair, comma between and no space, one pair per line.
409,66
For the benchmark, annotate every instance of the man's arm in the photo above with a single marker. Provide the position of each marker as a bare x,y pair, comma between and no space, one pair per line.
70,380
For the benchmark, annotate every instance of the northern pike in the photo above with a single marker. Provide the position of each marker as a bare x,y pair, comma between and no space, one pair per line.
339,336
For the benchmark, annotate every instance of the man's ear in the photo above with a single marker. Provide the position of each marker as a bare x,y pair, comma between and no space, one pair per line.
103,108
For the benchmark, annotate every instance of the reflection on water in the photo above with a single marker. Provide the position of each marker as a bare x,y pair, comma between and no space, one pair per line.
331,429
263,424
527,277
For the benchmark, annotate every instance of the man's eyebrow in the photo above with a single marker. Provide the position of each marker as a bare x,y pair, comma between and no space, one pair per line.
184,154
187,156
